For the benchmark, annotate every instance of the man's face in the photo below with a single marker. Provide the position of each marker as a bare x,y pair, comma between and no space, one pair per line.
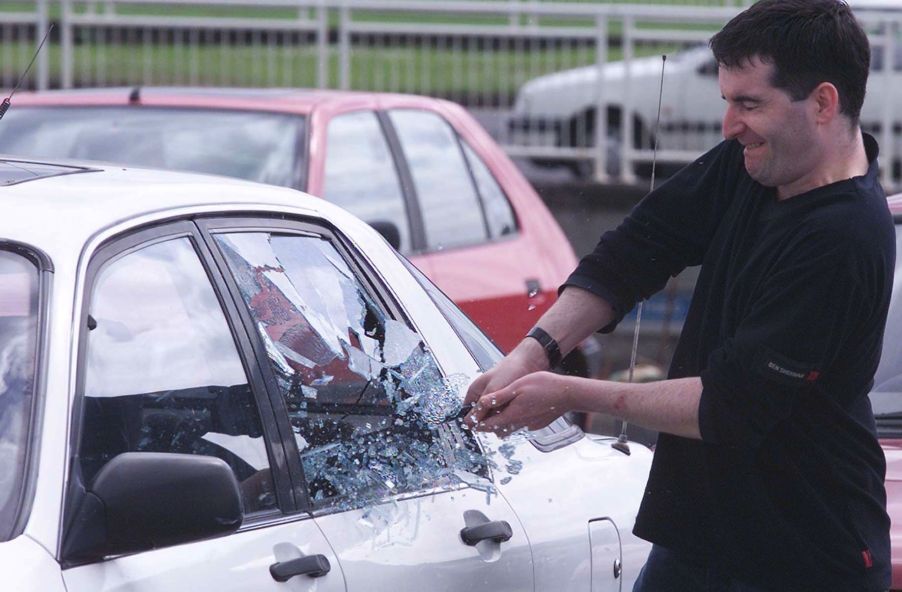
778,134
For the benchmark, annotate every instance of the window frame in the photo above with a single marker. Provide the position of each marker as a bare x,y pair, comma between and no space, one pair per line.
464,146
405,181
109,252
45,270
409,183
369,280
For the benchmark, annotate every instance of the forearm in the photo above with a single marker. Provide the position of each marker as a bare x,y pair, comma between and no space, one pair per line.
575,315
669,406
572,318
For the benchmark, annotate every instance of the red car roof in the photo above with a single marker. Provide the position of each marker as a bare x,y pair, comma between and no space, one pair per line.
283,100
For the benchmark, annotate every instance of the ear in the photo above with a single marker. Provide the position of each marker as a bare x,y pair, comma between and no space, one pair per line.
826,102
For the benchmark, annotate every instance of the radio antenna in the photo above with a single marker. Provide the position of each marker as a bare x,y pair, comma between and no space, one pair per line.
622,443
6,104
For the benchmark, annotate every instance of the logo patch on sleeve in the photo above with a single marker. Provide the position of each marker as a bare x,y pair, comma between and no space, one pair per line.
776,367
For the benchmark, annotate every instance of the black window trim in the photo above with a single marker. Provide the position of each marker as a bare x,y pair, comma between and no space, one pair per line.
44,267
408,192
368,278
480,199
108,252
418,242
517,226
401,159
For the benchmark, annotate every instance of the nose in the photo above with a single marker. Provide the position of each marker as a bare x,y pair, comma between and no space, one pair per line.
732,124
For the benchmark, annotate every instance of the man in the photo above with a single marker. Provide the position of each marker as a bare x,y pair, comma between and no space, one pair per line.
767,474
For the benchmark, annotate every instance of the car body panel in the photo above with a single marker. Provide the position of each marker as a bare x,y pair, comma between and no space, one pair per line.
892,449
560,539
414,544
240,565
27,565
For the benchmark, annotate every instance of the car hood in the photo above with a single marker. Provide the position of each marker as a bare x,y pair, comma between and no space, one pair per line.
892,449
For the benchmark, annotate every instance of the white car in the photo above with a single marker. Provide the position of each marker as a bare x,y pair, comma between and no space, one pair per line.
209,384
558,111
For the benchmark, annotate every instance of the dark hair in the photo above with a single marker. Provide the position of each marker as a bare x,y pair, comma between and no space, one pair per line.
807,41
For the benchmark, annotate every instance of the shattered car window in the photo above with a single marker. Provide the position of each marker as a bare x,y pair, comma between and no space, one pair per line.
163,374
18,342
372,413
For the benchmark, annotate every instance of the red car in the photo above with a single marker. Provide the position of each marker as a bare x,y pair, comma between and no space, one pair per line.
422,171
886,399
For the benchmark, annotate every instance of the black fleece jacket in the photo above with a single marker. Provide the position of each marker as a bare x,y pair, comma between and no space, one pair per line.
785,489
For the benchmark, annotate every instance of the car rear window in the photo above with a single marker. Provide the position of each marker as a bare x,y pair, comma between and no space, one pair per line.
252,145
18,343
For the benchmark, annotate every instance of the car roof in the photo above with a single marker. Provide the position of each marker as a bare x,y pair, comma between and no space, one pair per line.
282,100
61,212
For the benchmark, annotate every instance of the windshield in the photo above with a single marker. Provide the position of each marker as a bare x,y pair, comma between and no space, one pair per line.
18,337
886,397
256,146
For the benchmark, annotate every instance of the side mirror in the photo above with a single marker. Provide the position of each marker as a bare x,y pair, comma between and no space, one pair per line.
145,500
389,231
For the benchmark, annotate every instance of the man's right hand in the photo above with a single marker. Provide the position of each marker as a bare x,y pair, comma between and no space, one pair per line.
526,358
574,316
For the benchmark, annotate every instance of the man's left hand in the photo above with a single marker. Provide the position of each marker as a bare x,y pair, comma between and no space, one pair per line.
533,402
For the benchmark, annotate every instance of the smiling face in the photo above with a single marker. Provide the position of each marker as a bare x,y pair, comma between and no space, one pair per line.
781,146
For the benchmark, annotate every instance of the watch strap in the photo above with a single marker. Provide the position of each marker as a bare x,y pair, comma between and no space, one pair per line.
552,349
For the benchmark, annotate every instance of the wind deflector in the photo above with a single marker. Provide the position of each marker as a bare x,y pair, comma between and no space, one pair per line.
13,172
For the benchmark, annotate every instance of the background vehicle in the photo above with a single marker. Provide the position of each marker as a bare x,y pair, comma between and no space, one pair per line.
422,171
560,109
208,384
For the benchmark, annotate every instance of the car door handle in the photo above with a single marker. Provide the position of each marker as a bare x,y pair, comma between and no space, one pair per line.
499,531
313,566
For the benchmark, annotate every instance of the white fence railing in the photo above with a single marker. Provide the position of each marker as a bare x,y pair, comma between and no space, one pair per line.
542,71
19,27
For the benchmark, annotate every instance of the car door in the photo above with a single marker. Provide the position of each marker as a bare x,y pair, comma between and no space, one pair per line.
164,368
472,241
403,494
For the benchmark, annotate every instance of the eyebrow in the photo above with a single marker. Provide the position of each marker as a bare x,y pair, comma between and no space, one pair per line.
743,99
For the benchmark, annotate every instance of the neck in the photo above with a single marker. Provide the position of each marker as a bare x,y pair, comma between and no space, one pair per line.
841,160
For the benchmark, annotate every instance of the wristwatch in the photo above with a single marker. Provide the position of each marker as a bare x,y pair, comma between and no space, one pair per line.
552,349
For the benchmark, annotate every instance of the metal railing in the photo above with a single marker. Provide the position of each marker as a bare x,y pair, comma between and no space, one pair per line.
481,53
20,25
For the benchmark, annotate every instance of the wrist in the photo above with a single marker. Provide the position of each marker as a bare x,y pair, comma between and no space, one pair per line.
549,345
532,355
